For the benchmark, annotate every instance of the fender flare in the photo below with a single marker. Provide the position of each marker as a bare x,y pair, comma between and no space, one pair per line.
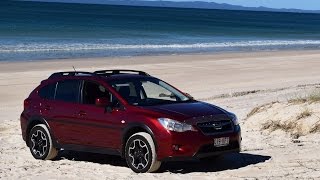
43,121
133,126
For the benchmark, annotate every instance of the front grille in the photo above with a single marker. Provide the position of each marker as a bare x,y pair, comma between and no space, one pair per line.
215,127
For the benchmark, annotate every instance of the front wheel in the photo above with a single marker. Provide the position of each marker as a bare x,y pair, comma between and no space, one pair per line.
40,143
140,153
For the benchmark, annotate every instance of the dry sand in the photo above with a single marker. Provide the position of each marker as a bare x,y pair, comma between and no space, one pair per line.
238,82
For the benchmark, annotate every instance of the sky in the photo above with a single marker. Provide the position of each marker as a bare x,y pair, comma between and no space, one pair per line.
297,4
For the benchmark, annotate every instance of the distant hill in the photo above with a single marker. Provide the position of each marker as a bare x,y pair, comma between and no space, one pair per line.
190,4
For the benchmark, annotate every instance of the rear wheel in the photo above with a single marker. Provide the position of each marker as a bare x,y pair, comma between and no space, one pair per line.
40,143
140,153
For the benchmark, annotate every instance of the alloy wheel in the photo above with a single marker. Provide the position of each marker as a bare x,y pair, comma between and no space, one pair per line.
139,154
39,144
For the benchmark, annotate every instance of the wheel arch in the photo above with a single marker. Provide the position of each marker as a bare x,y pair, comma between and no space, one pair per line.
132,129
33,121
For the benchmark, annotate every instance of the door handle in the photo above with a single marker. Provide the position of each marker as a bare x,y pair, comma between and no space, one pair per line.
82,113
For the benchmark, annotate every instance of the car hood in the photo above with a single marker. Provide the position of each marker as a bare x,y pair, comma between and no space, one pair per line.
184,111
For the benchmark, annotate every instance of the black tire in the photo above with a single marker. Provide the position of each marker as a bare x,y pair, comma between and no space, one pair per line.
40,143
140,153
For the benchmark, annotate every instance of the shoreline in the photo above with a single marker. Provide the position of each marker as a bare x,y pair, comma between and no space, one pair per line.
52,64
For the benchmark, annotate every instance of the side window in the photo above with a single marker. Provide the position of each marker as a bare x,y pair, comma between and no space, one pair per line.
68,91
126,90
92,91
47,92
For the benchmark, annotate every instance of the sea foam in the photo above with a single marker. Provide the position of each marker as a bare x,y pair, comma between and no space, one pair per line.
67,46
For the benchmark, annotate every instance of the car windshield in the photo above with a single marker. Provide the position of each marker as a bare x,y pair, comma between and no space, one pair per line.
148,92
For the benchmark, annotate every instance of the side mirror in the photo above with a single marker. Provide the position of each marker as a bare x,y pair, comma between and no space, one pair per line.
103,102
172,96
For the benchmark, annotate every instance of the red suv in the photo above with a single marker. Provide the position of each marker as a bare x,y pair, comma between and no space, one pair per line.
127,113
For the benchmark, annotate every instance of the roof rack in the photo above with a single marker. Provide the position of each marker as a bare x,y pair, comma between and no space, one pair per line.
72,73
97,73
120,71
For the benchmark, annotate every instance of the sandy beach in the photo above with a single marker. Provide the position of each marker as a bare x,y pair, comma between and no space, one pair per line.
267,82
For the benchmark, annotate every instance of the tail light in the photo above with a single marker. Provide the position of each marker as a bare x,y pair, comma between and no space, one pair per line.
26,103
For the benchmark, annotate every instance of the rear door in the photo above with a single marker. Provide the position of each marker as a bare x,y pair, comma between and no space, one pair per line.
65,114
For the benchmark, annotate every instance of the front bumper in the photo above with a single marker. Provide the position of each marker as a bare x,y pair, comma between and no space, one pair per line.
195,145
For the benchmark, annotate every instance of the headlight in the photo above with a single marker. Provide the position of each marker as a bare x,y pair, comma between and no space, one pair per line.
234,119
176,126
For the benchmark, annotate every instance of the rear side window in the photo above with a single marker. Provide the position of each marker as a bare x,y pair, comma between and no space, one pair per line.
68,91
47,92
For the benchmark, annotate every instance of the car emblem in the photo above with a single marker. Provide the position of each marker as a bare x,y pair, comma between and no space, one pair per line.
217,125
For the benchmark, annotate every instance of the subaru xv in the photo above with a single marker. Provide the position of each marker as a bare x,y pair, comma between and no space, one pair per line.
127,113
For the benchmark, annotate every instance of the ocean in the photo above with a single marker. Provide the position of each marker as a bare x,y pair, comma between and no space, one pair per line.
38,31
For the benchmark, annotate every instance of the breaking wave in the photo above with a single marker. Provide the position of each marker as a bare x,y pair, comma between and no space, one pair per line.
68,46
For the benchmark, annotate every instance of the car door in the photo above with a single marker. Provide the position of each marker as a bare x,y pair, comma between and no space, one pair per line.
103,128
64,114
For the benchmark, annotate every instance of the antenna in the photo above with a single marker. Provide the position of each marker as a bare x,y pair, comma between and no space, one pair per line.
74,69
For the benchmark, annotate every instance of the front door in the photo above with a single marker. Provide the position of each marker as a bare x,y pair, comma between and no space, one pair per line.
103,129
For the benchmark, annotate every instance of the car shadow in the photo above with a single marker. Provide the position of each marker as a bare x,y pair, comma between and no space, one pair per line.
227,162
92,157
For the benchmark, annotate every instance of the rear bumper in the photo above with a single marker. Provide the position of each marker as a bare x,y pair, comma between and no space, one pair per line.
23,124
195,145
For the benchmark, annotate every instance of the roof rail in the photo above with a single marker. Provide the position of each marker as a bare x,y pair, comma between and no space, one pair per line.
120,71
97,73
71,73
